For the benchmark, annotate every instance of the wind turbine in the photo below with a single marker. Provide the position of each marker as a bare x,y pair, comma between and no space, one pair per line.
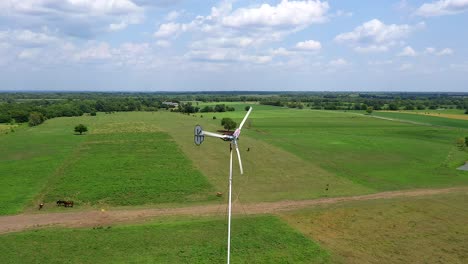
233,138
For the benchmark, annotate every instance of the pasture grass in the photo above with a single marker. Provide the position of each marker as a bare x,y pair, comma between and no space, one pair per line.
293,154
29,157
129,169
429,229
377,154
432,119
263,239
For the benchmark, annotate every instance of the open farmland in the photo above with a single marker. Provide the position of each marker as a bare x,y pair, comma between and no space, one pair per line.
429,229
130,159
255,240
461,121
377,154
147,160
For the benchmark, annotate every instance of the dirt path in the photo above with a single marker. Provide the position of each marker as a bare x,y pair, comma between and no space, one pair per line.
98,218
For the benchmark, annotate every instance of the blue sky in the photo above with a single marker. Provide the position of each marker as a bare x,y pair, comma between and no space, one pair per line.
187,45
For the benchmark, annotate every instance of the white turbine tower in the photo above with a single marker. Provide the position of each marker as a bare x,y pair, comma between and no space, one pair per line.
200,137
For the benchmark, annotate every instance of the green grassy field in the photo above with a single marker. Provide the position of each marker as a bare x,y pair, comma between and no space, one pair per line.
149,159
255,240
129,169
29,157
425,119
129,159
429,229
377,154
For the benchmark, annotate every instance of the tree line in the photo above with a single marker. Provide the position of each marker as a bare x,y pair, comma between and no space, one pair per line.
34,108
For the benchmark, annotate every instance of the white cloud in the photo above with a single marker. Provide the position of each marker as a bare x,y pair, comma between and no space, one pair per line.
28,54
296,13
281,52
118,26
407,52
27,38
445,52
72,17
169,30
375,36
227,42
442,7
233,35
430,50
309,45
434,51
97,52
173,15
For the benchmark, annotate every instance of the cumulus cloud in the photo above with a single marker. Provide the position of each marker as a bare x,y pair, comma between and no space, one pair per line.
295,13
407,52
73,17
229,34
375,36
309,45
98,52
442,7
173,15
445,52
27,38
434,51
169,30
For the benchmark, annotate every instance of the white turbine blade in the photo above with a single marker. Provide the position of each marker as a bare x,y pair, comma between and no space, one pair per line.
240,161
245,118
211,134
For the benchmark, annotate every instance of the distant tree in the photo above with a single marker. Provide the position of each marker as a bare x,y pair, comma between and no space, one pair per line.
393,107
466,141
364,107
81,129
93,113
220,108
206,109
228,123
20,116
5,118
369,110
466,111
247,108
409,107
214,117
35,118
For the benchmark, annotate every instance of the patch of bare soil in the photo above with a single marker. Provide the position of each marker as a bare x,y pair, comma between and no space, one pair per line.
21,222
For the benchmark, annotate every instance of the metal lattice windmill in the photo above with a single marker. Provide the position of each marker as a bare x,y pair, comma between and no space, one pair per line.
233,138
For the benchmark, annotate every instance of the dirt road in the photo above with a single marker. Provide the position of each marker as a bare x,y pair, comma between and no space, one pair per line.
99,218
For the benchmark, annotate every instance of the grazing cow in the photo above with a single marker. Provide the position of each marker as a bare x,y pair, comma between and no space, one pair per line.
41,205
68,204
60,202
219,194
